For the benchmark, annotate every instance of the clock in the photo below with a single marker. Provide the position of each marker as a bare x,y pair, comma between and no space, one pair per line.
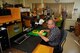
57,0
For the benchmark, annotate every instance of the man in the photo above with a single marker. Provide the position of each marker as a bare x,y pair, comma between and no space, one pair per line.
64,16
54,38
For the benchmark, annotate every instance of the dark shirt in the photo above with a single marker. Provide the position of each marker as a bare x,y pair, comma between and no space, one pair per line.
64,15
54,37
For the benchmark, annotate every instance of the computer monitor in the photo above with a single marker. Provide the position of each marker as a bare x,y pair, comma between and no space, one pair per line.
4,12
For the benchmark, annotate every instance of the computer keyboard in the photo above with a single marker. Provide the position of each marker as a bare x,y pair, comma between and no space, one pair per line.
21,39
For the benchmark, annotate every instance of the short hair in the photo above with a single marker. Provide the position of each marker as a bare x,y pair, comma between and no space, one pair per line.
52,21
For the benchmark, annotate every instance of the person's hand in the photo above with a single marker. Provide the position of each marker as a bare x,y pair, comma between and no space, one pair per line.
45,30
40,33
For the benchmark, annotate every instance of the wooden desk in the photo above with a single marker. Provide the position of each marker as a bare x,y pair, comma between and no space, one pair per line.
43,49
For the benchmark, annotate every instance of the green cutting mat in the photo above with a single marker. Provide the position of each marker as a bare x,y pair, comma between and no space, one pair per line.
35,33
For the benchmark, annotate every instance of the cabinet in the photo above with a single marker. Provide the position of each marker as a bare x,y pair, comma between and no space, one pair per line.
77,29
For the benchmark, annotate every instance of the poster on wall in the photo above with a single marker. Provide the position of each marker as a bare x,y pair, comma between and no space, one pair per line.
75,10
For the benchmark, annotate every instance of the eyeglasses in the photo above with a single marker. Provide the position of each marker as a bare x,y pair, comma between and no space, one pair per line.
49,24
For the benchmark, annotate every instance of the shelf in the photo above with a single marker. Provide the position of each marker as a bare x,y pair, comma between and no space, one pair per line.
7,20
15,15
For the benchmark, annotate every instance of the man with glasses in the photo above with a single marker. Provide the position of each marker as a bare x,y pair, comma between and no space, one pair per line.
54,36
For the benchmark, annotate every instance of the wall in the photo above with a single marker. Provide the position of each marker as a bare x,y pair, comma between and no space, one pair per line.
0,3
75,15
9,1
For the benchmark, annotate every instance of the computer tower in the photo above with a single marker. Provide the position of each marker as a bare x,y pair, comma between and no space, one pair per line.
4,39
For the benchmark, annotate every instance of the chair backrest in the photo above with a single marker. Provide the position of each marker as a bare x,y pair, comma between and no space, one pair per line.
63,35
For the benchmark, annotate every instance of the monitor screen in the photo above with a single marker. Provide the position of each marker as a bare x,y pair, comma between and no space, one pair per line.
4,12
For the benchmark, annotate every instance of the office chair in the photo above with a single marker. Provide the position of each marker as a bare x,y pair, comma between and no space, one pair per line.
63,37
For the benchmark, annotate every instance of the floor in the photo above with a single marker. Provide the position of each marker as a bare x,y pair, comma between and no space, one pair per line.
13,50
70,45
